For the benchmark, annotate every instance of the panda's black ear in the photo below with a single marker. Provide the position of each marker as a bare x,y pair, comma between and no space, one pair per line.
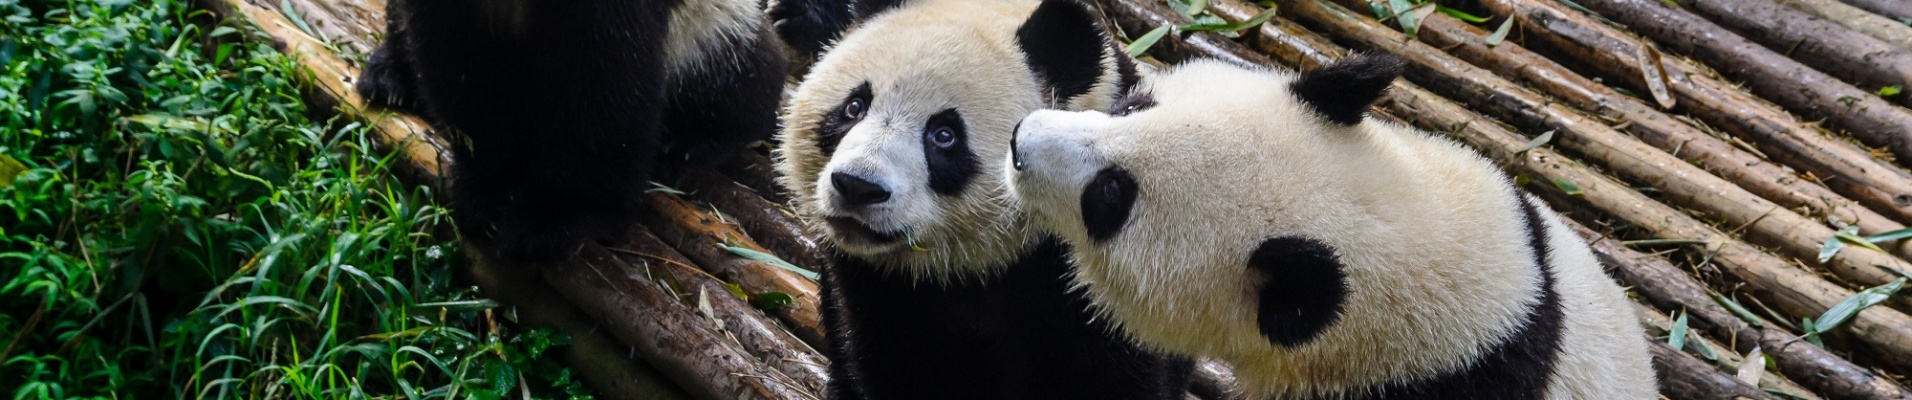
1065,46
1343,91
865,8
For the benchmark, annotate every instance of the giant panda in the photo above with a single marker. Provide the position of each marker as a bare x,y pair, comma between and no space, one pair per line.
937,290
562,106
1259,218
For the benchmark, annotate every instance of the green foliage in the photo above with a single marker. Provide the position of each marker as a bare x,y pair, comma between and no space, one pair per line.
177,226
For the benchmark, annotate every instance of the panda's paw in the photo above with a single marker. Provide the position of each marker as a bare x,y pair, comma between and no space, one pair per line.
387,82
806,26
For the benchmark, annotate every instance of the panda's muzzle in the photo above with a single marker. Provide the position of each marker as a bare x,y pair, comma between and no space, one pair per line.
850,231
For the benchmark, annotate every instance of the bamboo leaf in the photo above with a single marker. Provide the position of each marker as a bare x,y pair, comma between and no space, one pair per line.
1832,246
1141,45
1879,238
1230,29
767,258
1890,91
1752,368
1460,15
1569,188
1537,142
10,169
1676,337
1500,33
1196,7
1853,304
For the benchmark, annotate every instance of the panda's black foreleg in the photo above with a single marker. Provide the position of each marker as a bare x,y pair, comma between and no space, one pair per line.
808,25
387,79
728,105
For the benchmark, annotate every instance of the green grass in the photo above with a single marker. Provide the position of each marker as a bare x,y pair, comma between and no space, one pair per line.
183,226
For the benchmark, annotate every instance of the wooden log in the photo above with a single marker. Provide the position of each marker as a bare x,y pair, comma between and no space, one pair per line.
1670,287
1727,360
1885,29
1618,57
759,334
704,237
1894,9
426,157
1810,92
1763,221
1683,377
1767,276
602,361
769,224
1854,57
672,336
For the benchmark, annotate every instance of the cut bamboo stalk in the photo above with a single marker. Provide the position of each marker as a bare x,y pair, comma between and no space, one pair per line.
1793,290
602,361
759,334
1770,74
1618,57
1885,29
1659,325
1894,9
705,238
1763,221
1854,57
769,224
1670,287
1684,377
426,156
672,336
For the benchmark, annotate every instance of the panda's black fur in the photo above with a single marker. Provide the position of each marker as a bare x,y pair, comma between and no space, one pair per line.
559,108
1023,334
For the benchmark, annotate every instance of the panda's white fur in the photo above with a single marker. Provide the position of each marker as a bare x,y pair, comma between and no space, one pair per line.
921,59
1431,238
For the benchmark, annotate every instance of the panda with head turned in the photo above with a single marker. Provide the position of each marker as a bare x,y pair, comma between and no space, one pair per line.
564,105
1321,254
937,289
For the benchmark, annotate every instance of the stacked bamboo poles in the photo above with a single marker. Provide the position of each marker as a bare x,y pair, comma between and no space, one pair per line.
1767,276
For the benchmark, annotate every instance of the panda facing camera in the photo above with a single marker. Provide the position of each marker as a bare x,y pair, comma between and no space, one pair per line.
1320,253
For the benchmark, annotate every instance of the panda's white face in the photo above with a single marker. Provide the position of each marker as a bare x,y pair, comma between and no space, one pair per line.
889,143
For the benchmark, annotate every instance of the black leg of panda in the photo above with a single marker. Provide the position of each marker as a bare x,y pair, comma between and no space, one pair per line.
558,107
718,111
808,25
387,81
1304,292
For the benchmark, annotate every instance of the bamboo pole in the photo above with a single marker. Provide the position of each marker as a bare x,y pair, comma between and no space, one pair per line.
604,363
1771,75
1619,57
759,334
1854,57
1769,277
1727,360
1724,157
1670,287
769,224
1682,377
706,237
1892,32
1763,221
1894,9
672,336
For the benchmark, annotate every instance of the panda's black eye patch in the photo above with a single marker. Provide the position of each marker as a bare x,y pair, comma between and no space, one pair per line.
845,116
1106,202
1133,103
946,151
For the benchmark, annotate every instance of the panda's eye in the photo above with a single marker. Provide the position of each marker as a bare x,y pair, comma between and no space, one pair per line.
853,109
1133,103
943,137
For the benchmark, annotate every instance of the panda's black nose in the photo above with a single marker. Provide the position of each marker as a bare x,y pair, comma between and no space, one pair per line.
857,192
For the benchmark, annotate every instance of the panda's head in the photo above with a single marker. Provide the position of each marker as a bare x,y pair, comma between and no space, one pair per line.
889,144
1169,194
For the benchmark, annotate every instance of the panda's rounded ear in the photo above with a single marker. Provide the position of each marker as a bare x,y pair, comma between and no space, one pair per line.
1342,91
1066,47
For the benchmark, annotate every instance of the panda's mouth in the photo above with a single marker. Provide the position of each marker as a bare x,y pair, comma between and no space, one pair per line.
851,232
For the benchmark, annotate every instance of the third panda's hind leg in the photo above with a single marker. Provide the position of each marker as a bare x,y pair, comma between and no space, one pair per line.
718,110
